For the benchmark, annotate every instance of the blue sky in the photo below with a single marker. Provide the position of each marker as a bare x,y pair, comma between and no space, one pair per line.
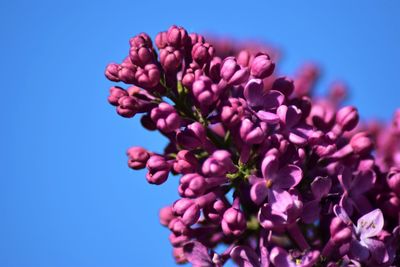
66,195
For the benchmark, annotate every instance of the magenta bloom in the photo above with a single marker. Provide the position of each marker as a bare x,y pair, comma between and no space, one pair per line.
354,188
364,245
275,179
262,166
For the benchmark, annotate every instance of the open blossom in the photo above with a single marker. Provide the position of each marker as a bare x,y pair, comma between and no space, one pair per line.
262,166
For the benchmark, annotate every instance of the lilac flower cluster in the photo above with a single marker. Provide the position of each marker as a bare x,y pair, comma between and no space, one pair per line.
276,176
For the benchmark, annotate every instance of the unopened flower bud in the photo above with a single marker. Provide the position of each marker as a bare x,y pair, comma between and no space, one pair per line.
170,59
193,136
177,36
185,162
115,94
112,72
361,143
148,77
192,185
202,53
393,180
137,157
218,164
188,210
262,66
166,215
233,222
165,117
347,118
158,170
127,106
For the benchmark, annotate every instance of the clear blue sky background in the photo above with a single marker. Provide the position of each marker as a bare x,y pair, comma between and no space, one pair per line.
66,195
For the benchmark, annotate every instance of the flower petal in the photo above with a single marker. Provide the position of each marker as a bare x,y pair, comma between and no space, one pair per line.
341,213
358,251
259,192
320,187
254,92
269,166
273,100
288,177
244,256
378,250
370,224
279,257
268,117
363,182
197,254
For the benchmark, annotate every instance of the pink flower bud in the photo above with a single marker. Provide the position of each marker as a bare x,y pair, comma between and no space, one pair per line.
233,222
393,180
165,117
137,157
112,72
166,215
158,170
170,59
115,94
177,36
192,185
185,162
202,53
262,66
347,118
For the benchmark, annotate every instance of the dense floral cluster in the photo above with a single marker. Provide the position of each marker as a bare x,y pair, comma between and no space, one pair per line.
276,177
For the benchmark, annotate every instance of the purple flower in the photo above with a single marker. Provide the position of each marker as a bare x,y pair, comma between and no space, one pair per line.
282,212
283,85
320,188
280,257
199,256
257,97
275,179
165,117
354,187
297,132
363,245
244,256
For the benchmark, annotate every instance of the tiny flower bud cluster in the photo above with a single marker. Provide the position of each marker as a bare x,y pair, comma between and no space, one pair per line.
278,176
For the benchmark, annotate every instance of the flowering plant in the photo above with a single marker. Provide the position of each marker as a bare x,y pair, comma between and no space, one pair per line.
275,175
